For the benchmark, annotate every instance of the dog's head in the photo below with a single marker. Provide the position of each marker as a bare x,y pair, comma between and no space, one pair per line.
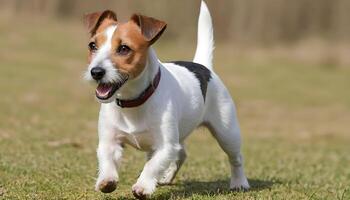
118,52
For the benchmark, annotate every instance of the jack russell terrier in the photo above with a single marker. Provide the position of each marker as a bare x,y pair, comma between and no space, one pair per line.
153,106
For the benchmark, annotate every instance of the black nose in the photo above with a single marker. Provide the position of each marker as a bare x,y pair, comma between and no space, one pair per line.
97,73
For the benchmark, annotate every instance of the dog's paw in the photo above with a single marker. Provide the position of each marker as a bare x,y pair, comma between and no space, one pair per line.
143,190
239,184
106,185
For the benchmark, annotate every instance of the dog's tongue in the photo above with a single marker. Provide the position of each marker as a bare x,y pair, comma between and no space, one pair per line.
103,90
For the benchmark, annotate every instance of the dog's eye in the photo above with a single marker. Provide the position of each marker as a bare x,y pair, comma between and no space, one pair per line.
93,47
123,50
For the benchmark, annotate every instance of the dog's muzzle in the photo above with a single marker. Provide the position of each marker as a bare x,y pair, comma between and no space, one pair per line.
105,91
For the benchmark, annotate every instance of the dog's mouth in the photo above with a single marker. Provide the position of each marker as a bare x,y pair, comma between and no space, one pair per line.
105,91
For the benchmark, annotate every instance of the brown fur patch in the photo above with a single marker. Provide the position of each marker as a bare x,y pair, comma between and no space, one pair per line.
99,38
93,20
105,24
129,34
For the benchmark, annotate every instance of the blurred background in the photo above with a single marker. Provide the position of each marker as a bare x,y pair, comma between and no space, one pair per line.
309,30
251,20
286,63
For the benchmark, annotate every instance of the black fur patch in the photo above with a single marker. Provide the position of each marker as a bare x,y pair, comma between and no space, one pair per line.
202,73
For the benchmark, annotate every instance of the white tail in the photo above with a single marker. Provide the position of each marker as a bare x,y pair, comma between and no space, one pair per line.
205,38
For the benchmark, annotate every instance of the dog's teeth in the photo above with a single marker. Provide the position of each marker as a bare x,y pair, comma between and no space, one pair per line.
103,89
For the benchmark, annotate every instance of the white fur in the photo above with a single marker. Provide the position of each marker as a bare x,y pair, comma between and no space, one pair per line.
205,37
162,123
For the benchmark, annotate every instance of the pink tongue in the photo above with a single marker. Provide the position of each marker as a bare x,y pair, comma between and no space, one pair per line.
103,90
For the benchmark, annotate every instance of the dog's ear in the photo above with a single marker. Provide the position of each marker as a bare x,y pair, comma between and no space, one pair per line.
151,28
93,20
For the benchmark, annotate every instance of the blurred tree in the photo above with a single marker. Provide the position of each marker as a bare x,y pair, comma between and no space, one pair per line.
65,8
246,21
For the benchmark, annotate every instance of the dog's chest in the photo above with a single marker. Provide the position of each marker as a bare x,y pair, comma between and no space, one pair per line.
132,128
135,130
131,123
143,141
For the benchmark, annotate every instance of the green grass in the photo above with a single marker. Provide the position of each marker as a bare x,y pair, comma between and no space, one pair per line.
294,119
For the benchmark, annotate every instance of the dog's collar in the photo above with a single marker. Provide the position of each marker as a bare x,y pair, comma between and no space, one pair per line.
142,98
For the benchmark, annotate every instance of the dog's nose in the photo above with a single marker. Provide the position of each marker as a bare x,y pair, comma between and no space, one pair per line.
97,73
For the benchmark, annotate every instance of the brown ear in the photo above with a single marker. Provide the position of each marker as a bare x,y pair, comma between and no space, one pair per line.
93,20
151,28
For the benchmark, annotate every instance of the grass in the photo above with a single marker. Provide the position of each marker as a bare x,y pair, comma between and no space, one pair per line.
294,120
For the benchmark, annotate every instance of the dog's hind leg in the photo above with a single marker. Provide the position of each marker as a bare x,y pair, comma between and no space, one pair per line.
174,167
222,122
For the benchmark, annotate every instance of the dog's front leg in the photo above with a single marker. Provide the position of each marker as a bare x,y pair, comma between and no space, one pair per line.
154,169
109,152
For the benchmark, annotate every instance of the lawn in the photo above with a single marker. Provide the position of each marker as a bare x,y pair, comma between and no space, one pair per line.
294,119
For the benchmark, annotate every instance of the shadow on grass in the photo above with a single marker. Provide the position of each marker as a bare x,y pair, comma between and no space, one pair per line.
218,187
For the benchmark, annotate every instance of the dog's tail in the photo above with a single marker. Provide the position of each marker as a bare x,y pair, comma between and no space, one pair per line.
205,41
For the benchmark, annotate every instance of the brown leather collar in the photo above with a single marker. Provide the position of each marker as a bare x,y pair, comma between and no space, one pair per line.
146,94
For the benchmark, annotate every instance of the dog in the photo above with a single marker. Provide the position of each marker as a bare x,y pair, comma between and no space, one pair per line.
153,106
